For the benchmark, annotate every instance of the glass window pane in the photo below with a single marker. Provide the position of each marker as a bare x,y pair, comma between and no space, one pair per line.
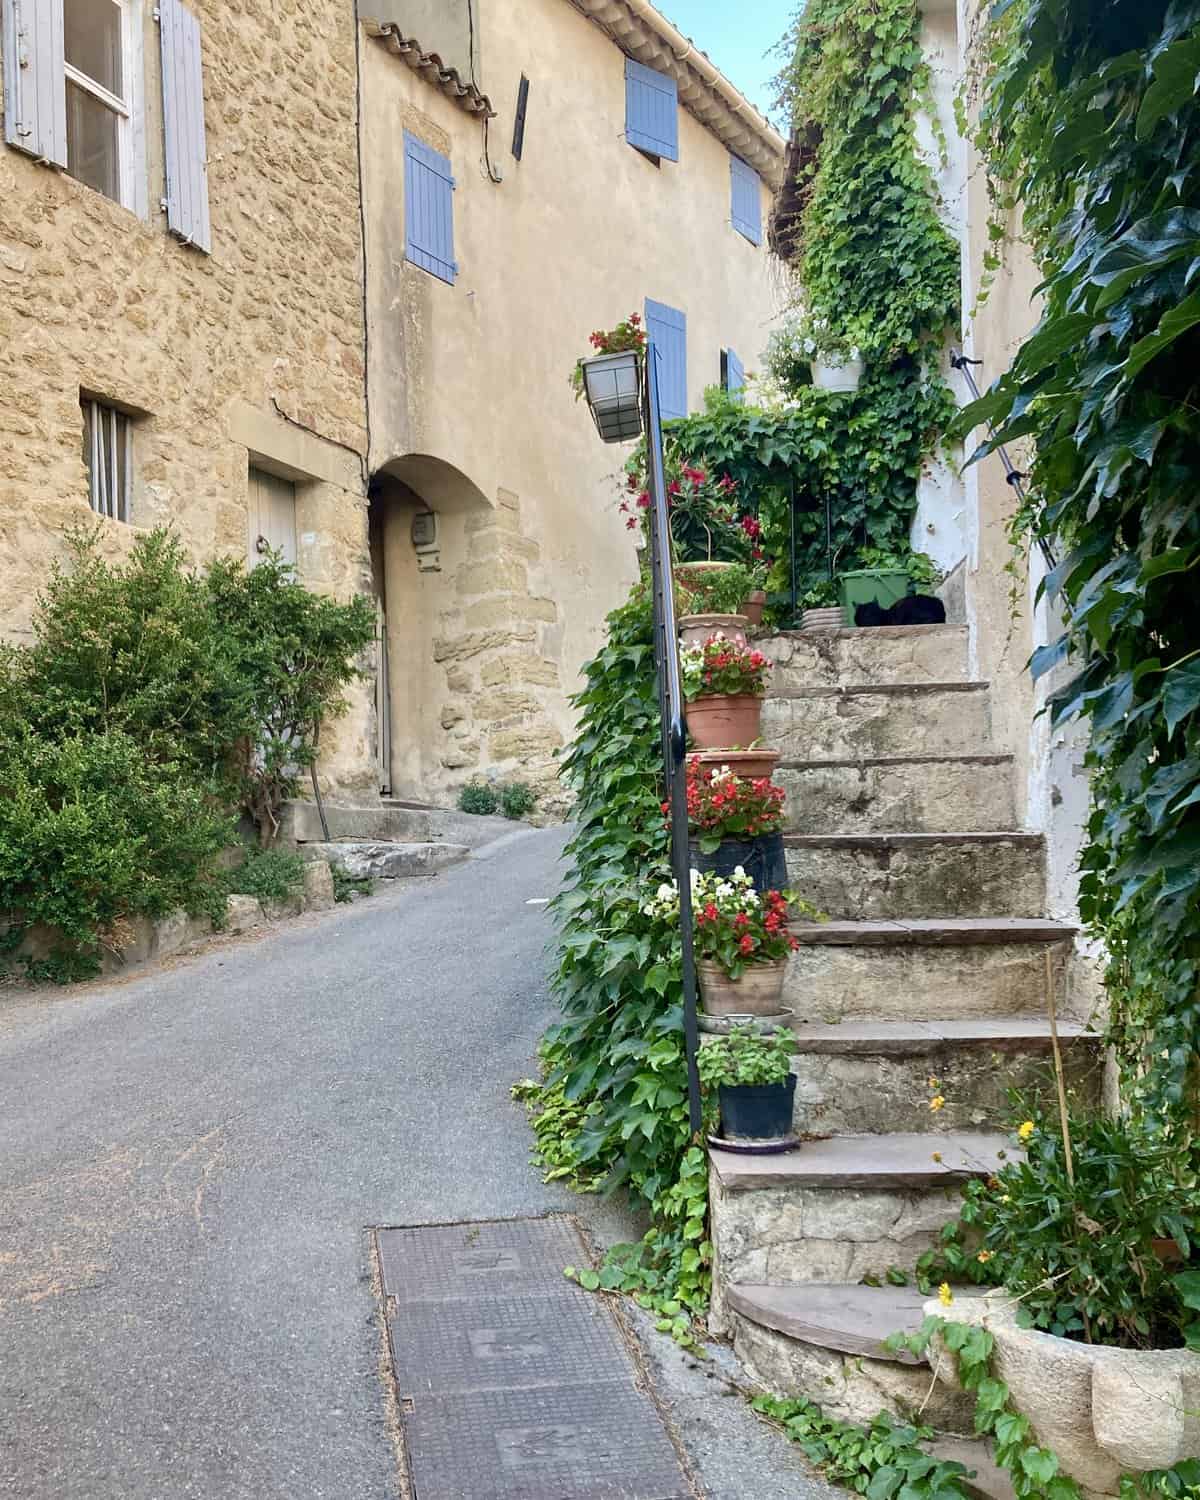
93,41
92,151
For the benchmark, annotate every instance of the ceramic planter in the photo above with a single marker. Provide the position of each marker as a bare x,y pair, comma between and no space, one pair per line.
752,765
882,586
757,993
612,384
757,1112
716,721
837,374
1103,1411
694,630
762,858
754,606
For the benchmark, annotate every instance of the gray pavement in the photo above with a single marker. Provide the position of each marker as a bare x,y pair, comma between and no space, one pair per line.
190,1162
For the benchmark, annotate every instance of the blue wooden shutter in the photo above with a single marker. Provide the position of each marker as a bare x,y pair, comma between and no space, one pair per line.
667,327
429,209
35,80
651,111
735,373
183,125
746,209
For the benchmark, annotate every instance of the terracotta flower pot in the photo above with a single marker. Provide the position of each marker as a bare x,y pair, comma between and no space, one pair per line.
754,606
694,630
750,764
718,721
758,992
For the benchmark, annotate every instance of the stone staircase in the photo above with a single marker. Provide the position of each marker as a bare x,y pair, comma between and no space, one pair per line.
389,838
900,826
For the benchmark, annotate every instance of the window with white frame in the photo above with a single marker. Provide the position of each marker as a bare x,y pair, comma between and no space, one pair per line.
100,73
108,458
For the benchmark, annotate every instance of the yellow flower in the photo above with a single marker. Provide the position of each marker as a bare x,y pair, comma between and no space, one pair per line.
937,1156
983,1257
937,1102
1025,1130
945,1295
935,1083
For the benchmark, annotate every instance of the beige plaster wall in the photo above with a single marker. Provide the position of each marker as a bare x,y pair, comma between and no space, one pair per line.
252,352
575,237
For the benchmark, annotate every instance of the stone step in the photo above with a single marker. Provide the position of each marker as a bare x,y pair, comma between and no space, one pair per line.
898,794
892,653
874,1076
873,719
839,1209
388,822
882,875
825,1342
923,970
386,860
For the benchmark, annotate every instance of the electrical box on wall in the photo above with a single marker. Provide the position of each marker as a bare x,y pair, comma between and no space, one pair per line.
425,541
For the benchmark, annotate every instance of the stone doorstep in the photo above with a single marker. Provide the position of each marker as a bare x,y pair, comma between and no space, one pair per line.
924,718
882,842
875,633
874,689
932,932
856,794
382,860
870,1038
852,1319
870,1162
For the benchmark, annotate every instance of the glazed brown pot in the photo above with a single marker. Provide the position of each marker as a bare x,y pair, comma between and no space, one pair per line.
754,606
717,722
694,630
751,764
759,992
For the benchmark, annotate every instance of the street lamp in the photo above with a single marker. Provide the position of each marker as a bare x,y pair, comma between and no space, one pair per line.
621,389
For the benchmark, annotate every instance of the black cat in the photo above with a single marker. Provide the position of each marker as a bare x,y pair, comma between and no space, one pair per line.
916,609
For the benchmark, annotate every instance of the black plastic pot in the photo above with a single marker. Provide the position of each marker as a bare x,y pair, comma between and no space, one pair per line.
757,1111
763,859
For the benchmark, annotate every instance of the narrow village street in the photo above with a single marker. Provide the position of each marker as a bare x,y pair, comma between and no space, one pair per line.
192,1161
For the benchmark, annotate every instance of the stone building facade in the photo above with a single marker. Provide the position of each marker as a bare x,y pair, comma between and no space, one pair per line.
182,381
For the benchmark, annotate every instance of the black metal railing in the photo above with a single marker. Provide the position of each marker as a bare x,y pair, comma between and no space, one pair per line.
674,722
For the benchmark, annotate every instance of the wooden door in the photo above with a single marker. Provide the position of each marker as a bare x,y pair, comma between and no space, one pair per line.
272,516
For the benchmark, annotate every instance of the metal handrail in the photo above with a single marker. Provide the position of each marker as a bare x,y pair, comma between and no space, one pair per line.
673,718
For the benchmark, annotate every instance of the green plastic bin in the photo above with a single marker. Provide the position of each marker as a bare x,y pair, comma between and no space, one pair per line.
882,586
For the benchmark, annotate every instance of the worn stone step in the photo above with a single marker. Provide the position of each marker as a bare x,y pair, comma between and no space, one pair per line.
875,1076
922,970
892,653
838,1209
387,861
826,1343
901,718
882,875
898,794
388,822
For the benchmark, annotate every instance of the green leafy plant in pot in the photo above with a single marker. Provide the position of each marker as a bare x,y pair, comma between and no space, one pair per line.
754,1082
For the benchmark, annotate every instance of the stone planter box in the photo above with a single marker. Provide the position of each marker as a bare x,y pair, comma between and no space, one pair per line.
1105,1412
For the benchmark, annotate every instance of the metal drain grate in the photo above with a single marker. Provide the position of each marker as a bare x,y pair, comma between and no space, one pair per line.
516,1385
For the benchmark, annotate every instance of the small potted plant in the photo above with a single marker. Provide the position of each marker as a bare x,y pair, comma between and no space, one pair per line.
754,1082
709,600
724,683
735,823
743,943
611,380
835,362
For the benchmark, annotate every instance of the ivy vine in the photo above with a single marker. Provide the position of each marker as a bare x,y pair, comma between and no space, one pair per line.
1089,117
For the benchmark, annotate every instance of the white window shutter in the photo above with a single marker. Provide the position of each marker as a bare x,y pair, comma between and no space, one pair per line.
35,81
183,125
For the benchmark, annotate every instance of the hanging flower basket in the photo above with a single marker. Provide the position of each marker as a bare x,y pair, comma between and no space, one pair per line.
612,385
837,374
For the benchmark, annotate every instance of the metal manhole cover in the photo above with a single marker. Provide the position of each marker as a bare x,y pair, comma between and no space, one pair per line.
514,1384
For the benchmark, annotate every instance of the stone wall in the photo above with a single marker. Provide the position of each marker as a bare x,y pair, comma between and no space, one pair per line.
253,353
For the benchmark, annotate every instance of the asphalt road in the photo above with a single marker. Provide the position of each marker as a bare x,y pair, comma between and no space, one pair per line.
190,1162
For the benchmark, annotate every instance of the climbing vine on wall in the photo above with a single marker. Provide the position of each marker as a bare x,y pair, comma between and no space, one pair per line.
1089,117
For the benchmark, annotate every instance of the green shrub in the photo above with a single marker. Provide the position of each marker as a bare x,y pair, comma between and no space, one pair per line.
93,833
270,875
479,798
347,886
516,799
